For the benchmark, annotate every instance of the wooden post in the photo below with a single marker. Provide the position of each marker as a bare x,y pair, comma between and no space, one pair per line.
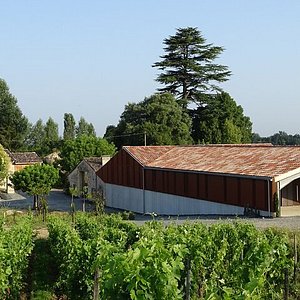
96,284
188,280
286,284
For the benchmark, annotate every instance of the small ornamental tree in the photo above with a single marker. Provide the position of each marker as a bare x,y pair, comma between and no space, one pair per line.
36,180
4,164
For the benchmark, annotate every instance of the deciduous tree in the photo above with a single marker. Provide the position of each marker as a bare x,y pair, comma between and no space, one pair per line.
159,116
73,151
13,124
85,128
221,121
69,127
35,180
4,164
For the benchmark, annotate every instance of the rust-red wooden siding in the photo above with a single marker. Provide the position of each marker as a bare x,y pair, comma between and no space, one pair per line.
124,170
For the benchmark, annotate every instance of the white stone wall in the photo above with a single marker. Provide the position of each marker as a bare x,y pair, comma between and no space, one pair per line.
90,177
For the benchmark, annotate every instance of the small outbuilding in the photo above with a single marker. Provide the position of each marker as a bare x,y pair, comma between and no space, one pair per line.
18,161
204,179
84,174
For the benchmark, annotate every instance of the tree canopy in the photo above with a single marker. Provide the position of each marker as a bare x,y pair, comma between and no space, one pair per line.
73,151
43,138
69,127
279,138
13,124
159,116
35,179
4,164
188,70
221,121
85,128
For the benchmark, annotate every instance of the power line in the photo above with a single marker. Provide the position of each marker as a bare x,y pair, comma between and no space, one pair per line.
130,134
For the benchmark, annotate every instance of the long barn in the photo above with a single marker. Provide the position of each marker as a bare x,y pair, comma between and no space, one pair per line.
208,179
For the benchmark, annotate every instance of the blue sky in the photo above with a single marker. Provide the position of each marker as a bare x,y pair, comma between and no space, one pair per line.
90,58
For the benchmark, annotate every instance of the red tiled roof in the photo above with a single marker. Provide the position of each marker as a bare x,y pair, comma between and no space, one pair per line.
147,154
254,160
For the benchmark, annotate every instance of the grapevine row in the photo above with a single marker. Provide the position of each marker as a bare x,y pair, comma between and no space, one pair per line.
225,261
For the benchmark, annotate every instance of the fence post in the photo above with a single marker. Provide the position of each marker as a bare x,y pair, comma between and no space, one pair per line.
96,284
188,280
286,284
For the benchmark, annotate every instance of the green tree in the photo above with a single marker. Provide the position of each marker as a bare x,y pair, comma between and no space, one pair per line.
36,137
4,164
85,128
159,116
221,121
69,127
51,135
73,151
187,69
13,124
35,180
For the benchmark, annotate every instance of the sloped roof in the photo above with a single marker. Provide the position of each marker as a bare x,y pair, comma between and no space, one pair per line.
249,159
94,162
22,158
147,154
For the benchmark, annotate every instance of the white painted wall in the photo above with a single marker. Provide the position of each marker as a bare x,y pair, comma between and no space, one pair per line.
163,204
122,197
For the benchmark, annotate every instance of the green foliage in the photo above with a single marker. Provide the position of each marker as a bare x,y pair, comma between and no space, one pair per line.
73,151
36,137
16,245
85,128
227,261
4,163
35,179
51,135
221,121
188,68
279,138
69,127
159,116
13,124
43,138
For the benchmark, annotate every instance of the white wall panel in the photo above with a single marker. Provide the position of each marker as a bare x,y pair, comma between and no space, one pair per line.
124,197
165,204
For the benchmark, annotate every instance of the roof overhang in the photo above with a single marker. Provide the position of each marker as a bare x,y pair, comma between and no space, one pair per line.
286,178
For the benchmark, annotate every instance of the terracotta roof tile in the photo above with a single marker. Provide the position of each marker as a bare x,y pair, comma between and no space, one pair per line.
254,160
24,157
147,154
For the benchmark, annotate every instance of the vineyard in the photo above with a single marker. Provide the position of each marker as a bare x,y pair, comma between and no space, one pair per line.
16,244
108,258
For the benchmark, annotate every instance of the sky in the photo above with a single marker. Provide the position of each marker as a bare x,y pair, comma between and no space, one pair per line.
90,58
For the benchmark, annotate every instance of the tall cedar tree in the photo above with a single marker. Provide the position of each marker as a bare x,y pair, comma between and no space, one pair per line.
13,124
188,71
